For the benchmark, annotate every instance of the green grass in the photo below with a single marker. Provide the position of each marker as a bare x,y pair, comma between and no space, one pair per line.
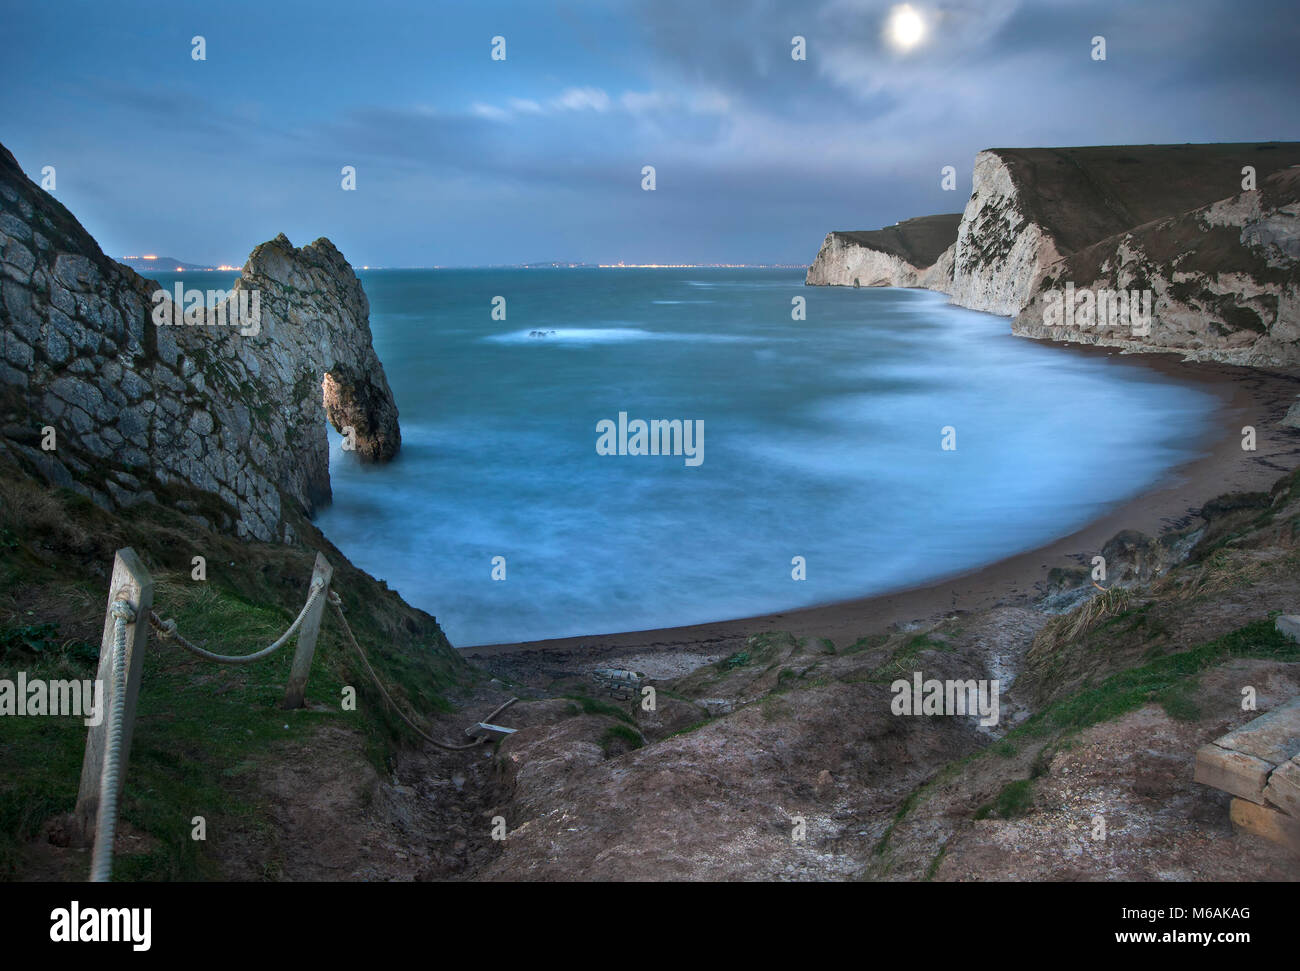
1178,703
617,735
921,642
904,654
933,868
1168,681
195,722
1015,799
203,731
44,641
868,643
1128,690
689,728
910,801
594,706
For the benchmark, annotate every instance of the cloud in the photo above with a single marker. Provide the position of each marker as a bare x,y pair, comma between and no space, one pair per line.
582,99
489,111
757,155
642,101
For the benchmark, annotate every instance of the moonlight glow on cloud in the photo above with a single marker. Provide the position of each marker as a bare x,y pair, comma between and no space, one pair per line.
465,160
905,28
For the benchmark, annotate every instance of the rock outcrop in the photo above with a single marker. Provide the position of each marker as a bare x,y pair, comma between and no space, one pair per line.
1224,281
913,253
1173,219
109,388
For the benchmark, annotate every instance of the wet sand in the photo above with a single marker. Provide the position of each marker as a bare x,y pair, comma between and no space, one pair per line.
1247,396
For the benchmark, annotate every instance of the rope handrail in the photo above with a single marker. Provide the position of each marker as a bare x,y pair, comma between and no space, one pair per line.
166,629
99,796
337,603
101,866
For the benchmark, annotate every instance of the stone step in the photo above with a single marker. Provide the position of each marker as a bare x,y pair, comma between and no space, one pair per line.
1273,737
1289,624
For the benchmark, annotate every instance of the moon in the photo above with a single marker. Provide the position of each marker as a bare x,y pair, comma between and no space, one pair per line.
905,28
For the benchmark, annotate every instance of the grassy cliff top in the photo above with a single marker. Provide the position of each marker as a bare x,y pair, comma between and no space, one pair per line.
919,241
1083,195
205,734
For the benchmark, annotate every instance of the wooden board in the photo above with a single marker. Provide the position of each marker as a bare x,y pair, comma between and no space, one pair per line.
1235,772
1272,825
1273,737
1283,789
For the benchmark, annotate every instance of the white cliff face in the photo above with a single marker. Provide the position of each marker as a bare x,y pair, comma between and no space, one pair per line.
998,255
908,254
939,276
844,263
1224,278
1000,251
1238,304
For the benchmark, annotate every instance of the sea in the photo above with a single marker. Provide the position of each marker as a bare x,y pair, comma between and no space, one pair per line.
867,440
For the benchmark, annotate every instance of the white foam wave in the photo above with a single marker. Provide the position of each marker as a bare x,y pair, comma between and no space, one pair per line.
609,335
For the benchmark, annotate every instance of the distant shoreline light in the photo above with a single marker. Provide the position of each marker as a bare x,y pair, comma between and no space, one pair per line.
227,268
700,266
601,266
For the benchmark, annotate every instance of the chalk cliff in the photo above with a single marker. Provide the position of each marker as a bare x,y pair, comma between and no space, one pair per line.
913,253
1039,218
225,422
1224,280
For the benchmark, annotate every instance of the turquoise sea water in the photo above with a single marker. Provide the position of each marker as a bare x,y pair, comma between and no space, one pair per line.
822,439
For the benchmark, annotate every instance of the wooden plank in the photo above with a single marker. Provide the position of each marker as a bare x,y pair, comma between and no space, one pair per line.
1273,737
484,730
295,694
1283,789
131,582
1235,772
1274,826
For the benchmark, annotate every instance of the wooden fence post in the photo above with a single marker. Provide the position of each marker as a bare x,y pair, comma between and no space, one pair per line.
294,695
130,582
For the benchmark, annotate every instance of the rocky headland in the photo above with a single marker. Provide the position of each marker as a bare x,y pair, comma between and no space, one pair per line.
214,419
197,432
1220,260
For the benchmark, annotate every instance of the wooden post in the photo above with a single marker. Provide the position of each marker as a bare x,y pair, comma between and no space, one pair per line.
130,582
293,696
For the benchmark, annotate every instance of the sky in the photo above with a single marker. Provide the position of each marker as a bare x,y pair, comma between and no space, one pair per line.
464,160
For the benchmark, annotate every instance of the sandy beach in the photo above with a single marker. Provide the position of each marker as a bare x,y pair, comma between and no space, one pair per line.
1247,397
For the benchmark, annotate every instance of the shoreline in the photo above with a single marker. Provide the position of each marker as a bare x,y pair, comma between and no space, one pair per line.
1247,396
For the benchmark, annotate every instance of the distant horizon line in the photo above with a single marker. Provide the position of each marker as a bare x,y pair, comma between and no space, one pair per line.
160,263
